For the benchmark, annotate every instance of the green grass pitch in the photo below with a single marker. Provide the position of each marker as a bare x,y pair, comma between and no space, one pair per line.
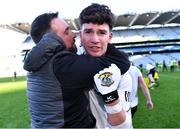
166,113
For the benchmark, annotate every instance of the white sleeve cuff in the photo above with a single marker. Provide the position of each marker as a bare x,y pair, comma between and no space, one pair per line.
113,109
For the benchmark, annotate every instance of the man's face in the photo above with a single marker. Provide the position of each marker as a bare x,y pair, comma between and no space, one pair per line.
95,38
61,28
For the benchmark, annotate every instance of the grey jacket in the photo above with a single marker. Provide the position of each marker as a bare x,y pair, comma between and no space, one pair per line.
44,91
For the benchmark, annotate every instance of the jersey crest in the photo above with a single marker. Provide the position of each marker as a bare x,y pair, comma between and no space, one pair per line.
106,79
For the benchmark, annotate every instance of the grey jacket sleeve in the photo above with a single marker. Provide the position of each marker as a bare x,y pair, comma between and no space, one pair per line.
43,51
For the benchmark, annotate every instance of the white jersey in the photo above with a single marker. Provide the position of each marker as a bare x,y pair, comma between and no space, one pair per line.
135,73
97,104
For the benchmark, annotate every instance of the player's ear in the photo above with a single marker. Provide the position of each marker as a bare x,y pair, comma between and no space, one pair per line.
110,36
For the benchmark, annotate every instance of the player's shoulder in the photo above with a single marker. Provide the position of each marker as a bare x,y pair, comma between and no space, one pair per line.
126,82
126,76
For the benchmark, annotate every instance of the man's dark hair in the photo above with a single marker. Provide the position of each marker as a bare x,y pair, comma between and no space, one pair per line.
97,14
41,25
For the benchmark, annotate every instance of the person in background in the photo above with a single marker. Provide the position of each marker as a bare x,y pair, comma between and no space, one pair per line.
14,75
151,72
138,80
96,25
164,66
58,79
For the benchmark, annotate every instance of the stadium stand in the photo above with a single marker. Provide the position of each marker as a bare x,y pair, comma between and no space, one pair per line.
147,37
155,45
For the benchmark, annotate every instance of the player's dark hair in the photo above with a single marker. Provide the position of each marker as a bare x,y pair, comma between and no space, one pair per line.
97,14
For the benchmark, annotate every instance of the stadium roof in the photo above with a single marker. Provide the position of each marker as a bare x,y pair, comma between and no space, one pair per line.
125,20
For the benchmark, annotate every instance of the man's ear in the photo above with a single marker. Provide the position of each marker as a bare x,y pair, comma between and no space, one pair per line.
53,25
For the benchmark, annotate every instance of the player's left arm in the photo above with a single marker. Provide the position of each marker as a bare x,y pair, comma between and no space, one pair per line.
107,82
145,92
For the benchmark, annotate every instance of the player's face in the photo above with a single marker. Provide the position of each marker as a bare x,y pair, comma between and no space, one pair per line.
61,28
95,38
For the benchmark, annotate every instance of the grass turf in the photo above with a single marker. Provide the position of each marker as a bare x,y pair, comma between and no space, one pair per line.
13,110
166,98
166,113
